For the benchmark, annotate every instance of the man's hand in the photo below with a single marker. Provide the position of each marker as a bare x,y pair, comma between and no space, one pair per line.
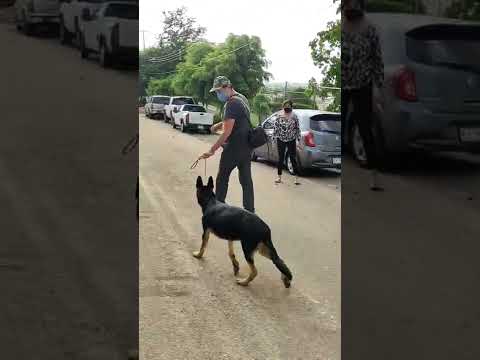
207,154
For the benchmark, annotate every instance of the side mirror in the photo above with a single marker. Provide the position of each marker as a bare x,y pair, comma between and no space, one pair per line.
86,16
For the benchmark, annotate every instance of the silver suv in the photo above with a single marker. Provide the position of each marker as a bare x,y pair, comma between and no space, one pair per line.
431,97
320,144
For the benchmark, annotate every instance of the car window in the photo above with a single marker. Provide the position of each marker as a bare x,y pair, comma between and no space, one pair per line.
122,11
183,101
160,100
451,46
326,123
194,108
268,123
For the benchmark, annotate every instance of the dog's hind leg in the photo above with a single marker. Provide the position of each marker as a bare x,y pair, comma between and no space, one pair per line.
205,236
248,251
231,254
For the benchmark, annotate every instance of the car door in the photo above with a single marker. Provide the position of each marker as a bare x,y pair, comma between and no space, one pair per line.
265,151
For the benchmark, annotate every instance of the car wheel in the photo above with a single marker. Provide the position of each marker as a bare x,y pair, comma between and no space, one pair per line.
105,57
357,147
174,125
83,48
65,37
299,170
183,127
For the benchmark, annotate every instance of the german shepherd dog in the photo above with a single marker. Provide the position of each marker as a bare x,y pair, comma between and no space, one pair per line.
232,223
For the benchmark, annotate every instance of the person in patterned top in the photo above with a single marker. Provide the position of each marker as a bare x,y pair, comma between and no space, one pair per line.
286,130
362,71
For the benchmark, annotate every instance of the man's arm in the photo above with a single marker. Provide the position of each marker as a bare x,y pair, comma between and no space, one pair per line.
216,127
227,130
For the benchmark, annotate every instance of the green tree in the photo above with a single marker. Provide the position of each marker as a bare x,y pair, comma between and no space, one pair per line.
160,87
191,76
325,51
240,58
179,30
261,106
312,91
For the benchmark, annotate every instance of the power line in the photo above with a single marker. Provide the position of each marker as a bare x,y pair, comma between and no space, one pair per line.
216,57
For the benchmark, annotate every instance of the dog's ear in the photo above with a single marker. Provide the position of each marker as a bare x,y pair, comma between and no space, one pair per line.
199,182
210,183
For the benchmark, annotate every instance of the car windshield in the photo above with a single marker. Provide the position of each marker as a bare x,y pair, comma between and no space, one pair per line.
161,100
451,46
194,108
326,123
122,11
182,101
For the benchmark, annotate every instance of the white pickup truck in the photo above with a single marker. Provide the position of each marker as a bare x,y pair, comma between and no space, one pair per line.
174,105
192,117
29,13
71,17
111,31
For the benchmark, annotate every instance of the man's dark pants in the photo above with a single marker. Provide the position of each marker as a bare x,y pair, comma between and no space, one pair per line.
230,160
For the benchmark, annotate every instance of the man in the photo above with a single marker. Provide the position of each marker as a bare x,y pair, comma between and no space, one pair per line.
237,152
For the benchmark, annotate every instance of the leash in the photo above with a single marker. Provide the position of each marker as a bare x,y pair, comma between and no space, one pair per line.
130,145
194,165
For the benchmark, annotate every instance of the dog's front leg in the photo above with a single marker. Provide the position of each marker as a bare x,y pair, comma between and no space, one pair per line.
205,236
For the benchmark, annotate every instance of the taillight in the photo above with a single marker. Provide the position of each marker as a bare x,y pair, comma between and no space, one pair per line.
405,85
187,118
309,139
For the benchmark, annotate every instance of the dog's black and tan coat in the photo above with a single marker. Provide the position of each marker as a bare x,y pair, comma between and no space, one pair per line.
233,223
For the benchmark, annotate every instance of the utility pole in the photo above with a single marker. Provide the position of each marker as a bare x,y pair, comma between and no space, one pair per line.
143,35
285,91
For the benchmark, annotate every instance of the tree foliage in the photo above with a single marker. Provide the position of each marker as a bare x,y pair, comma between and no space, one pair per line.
325,51
466,9
179,30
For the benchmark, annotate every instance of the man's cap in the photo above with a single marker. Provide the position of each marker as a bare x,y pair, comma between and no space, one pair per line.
219,82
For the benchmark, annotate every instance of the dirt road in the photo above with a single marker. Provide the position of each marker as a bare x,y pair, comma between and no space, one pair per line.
191,309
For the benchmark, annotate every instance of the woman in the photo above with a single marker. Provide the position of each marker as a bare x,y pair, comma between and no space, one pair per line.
362,69
287,132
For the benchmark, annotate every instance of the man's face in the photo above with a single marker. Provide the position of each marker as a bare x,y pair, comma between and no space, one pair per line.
223,94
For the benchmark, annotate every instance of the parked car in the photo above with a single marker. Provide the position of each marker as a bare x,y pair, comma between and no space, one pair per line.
31,13
71,17
320,144
190,117
175,103
155,106
111,31
432,87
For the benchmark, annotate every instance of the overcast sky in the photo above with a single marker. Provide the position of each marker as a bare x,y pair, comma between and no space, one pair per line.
285,30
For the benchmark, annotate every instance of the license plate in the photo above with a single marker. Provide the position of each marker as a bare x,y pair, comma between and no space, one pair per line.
470,134
337,161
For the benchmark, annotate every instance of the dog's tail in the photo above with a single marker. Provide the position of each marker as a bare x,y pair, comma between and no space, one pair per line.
277,261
